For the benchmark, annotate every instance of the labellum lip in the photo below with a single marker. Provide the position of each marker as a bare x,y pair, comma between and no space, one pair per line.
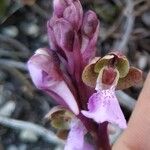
109,75
103,106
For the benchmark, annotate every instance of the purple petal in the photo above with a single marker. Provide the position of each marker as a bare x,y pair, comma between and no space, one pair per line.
74,14
90,33
75,139
59,7
78,6
88,146
71,10
70,14
103,106
77,58
51,36
46,75
90,23
64,34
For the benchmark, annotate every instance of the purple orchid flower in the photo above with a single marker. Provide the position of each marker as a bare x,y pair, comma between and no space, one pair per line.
47,76
103,105
66,72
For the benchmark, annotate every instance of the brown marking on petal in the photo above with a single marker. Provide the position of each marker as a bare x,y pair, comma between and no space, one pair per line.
62,134
107,78
133,77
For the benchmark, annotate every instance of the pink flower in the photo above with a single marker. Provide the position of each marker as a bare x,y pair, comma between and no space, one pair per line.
47,76
103,105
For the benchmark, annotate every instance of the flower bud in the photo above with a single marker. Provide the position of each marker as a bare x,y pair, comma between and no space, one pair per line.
51,37
59,7
90,33
46,74
64,34
90,23
73,14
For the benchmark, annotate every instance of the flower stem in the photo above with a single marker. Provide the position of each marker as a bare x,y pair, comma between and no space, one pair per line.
103,140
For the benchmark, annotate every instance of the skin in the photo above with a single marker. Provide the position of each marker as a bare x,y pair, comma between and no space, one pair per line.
137,135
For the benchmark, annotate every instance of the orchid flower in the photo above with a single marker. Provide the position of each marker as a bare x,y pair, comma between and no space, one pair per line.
103,105
82,84
47,76
106,74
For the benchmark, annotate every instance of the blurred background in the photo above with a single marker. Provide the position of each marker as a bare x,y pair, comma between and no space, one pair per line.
125,26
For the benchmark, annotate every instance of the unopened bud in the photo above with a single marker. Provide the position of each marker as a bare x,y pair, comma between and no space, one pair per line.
59,7
47,76
73,14
90,23
64,34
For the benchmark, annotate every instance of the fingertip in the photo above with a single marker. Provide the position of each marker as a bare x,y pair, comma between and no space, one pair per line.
137,135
